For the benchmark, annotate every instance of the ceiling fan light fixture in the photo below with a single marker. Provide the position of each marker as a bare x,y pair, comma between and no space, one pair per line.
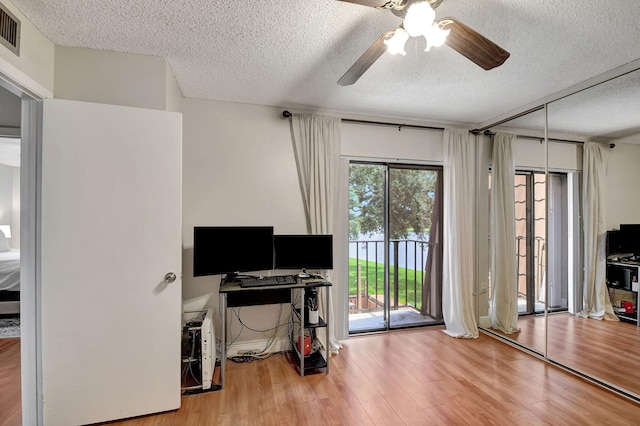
436,36
395,44
419,18
459,37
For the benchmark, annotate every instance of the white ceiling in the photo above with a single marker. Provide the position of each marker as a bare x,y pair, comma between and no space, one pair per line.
290,53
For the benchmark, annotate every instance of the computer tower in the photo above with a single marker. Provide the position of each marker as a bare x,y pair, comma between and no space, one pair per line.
208,349
198,350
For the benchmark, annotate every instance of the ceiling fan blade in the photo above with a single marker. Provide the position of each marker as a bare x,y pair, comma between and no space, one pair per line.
378,4
365,61
388,4
473,45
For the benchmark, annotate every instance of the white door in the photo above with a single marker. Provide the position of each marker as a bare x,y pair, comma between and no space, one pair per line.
111,230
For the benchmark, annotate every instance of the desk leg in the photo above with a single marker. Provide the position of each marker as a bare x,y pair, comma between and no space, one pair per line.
223,337
327,348
301,338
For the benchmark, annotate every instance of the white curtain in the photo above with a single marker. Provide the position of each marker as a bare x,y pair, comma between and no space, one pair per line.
459,243
503,305
316,142
596,303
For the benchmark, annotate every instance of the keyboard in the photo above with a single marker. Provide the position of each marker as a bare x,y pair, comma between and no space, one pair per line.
267,281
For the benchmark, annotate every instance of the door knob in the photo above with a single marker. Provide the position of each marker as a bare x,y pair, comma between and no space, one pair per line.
169,277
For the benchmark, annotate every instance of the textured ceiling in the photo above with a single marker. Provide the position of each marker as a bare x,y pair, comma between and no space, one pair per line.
290,53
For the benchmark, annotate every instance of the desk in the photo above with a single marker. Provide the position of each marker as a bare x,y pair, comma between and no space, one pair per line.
624,276
232,295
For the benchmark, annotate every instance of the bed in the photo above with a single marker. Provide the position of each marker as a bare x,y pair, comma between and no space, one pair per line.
10,281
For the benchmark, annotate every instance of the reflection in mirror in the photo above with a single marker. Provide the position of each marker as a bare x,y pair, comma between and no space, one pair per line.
606,350
520,225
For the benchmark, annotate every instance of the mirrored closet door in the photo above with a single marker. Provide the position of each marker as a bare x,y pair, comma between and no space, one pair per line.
563,317
609,114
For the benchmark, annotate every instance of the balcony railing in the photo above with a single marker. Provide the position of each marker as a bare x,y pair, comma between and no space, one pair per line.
407,260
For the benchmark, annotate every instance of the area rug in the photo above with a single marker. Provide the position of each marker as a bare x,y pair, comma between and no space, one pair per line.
9,327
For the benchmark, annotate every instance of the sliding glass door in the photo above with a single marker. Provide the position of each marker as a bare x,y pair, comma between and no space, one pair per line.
395,266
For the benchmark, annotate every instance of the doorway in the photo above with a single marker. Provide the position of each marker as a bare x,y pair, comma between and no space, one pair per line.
395,246
10,112
12,212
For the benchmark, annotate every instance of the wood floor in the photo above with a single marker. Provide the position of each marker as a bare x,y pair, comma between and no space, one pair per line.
10,408
608,350
414,377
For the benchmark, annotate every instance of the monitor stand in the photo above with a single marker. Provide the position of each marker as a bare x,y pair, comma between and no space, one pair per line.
304,274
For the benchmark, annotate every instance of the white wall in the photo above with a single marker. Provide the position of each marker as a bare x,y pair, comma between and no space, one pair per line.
6,194
15,214
9,109
365,141
623,178
530,155
173,92
238,169
10,201
110,77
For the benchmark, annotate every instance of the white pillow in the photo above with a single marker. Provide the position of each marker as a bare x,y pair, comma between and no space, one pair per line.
4,243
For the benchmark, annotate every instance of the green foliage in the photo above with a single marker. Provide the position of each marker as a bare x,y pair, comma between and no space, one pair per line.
354,223
366,201
412,193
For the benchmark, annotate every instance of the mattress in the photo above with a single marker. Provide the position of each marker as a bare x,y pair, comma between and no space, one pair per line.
10,270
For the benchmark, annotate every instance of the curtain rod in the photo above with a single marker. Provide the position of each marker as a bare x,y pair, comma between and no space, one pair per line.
287,114
490,134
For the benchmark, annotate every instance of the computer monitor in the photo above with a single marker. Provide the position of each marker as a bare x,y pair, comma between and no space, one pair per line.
231,249
303,252
615,243
631,237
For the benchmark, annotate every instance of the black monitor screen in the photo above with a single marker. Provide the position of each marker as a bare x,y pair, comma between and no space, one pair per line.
631,238
231,249
303,251
615,243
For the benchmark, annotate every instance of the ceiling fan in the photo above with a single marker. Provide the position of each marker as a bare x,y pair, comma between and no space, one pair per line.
419,20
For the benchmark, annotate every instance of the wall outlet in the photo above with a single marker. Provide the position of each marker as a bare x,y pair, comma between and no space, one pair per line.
281,344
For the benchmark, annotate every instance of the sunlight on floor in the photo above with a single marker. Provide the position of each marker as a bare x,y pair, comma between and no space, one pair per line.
375,319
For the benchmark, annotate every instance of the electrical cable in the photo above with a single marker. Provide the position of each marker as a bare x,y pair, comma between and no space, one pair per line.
188,368
270,340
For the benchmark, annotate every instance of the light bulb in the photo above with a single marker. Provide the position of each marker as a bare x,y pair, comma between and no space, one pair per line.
395,44
419,18
436,36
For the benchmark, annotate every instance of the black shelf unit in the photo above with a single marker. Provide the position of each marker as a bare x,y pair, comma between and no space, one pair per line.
320,324
623,276
317,360
624,316
312,362
232,294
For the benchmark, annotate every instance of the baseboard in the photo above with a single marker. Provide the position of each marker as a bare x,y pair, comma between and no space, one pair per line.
279,345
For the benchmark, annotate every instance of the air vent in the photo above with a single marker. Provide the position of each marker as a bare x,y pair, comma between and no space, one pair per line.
9,30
